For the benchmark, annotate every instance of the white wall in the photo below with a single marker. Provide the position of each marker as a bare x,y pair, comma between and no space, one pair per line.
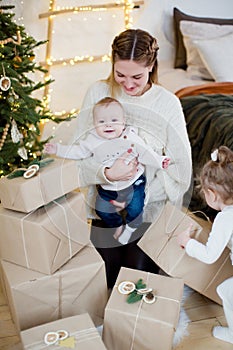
92,33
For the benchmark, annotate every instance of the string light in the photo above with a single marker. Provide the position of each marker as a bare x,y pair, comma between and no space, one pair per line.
126,5
61,10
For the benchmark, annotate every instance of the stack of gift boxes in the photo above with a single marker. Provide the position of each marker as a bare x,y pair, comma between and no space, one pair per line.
49,268
55,281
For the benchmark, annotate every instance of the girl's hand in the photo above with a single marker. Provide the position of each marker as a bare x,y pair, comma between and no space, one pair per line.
50,148
122,169
184,237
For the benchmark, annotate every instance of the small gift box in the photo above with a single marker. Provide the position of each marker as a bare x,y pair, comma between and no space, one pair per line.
50,182
78,287
159,242
149,319
45,239
76,332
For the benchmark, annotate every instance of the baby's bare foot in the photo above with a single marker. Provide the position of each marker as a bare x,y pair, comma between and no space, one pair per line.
120,205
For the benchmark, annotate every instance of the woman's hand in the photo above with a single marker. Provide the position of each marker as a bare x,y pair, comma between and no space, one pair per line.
123,169
184,237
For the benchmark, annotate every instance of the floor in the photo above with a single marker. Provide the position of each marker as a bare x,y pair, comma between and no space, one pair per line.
203,315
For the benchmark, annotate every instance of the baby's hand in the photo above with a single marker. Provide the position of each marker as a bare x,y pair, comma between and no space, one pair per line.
184,237
50,148
165,163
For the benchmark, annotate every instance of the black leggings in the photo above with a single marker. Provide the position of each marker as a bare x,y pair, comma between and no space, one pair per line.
129,255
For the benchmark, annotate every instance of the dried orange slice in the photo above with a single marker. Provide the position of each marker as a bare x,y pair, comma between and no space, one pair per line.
126,287
51,338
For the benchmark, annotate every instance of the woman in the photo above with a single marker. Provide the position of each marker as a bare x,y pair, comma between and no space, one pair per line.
158,115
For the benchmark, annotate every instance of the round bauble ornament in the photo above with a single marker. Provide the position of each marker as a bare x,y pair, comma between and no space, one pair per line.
5,83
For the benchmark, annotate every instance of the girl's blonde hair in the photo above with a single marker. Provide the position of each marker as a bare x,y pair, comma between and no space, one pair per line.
139,46
217,174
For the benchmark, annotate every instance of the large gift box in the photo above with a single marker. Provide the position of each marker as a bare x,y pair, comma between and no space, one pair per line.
45,239
51,182
141,325
78,287
76,332
160,243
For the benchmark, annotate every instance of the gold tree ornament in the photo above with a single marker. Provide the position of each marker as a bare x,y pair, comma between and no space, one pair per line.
17,60
11,40
4,135
31,57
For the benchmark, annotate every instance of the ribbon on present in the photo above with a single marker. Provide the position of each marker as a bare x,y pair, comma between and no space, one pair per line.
79,336
67,226
66,235
23,237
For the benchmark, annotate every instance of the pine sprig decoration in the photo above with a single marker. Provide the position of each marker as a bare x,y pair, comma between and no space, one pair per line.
43,162
133,297
20,172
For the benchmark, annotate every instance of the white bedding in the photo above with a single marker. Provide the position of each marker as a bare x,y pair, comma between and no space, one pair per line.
175,79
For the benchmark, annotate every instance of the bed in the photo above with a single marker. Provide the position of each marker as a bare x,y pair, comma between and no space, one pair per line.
201,75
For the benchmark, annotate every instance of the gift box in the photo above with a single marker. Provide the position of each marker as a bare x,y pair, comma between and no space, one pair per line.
78,287
76,332
141,325
50,182
159,242
45,239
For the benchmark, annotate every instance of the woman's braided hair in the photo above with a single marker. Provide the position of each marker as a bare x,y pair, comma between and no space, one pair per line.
139,46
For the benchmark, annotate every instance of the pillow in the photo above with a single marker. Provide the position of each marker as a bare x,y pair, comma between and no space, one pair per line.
192,31
217,54
180,53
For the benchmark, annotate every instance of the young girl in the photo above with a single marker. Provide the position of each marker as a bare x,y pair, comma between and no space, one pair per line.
217,184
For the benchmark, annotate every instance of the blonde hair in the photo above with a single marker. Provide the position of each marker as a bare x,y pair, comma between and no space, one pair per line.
139,46
217,174
105,102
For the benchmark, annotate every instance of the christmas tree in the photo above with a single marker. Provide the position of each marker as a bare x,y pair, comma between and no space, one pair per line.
20,113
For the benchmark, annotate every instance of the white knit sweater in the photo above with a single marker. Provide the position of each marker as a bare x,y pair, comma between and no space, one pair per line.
158,115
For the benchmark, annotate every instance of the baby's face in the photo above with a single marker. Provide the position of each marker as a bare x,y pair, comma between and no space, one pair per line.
109,121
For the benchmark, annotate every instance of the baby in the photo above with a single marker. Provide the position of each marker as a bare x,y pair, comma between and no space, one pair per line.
109,140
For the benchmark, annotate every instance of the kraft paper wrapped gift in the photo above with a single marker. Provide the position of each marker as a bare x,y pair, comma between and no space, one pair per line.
51,182
78,287
140,325
159,242
46,238
82,335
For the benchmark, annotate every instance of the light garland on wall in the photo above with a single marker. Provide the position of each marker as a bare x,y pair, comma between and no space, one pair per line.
77,59
129,4
126,5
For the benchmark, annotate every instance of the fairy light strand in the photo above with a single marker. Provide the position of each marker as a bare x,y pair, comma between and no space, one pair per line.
120,4
126,5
